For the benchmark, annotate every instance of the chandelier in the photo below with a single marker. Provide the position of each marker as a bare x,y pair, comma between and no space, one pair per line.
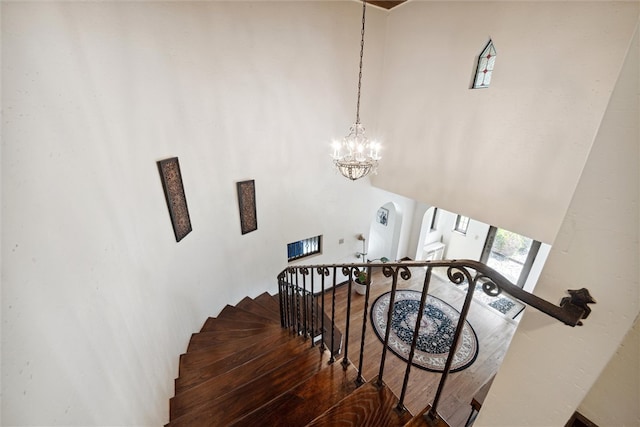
355,156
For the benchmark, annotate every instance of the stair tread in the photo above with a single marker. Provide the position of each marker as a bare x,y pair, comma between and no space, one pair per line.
267,301
237,313
253,307
419,421
223,410
318,393
221,343
227,339
367,406
235,361
228,381
199,359
215,324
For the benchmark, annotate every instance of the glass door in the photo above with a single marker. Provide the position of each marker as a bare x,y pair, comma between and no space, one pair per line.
510,254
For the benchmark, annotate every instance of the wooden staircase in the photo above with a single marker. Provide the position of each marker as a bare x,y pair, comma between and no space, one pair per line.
244,369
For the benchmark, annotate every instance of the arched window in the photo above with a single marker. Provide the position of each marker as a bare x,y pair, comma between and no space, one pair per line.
486,61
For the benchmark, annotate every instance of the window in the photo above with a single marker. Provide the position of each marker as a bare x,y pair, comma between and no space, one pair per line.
434,220
486,62
462,223
304,248
510,254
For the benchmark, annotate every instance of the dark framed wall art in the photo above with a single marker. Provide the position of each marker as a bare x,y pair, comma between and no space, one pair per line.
174,194
247,206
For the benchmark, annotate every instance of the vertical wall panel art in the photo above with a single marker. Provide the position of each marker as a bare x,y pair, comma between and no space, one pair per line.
247,205
174,193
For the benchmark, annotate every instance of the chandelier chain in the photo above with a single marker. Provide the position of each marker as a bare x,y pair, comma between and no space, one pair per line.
364,9
355,156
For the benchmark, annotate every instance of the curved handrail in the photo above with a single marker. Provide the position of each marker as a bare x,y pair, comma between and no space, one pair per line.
570,311
295,301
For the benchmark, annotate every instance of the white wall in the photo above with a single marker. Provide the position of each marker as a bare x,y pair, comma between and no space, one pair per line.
458,245
519,146
537,267
610,400
469,245
422,234
550,367
98,300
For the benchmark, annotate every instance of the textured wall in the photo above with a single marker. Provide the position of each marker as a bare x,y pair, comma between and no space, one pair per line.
98,300
519,146
550,367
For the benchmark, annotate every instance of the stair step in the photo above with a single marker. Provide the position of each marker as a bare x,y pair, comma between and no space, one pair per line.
267,301
303,403
235,313
224,410
367,406
237,360
226,382
419,420
221,346
236,339
250,305
199,359
215,324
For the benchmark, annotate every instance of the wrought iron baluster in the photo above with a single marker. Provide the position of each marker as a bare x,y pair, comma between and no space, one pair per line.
455,276
360,379
294,312
305,331
333,316
289,288
294,301
414,342
313,310
323,271
280,297
393,272
345,359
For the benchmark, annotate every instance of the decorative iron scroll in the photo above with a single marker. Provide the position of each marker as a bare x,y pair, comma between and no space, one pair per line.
570,312
296,298
174,194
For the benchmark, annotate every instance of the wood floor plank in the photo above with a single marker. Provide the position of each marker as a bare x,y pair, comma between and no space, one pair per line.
494,333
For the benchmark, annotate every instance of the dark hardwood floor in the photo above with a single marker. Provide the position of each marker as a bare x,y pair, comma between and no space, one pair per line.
494,332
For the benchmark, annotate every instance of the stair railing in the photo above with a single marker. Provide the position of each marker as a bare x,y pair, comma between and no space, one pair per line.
300,312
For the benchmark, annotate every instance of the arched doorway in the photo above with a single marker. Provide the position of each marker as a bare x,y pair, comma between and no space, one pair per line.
429,235
384,232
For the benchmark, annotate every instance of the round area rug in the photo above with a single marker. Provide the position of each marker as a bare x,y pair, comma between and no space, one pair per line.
436,331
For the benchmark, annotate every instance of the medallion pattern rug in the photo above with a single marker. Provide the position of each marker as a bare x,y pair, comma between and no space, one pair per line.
436,331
